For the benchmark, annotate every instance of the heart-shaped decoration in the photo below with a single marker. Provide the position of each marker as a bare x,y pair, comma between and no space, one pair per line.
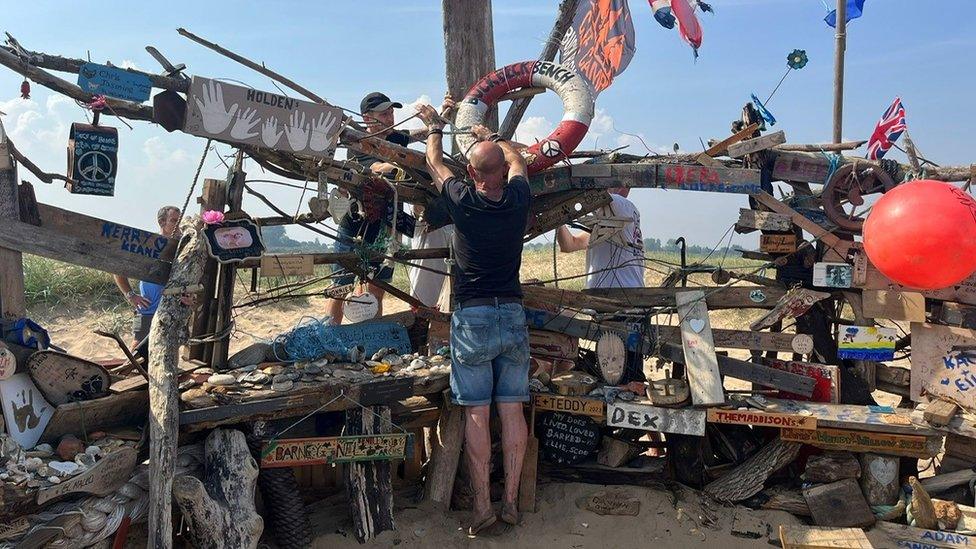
339,204
884,470
361,307
697,325
319,208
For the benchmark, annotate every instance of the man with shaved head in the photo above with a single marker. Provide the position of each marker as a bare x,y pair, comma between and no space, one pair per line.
489,336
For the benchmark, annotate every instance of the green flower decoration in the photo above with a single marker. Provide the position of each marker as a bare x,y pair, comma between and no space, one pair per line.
797,59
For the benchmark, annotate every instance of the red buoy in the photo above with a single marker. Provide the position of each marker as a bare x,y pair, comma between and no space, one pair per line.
922,234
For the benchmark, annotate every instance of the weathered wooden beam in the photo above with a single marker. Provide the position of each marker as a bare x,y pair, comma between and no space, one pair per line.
722,146
716,297
139,242
469,49
818,232
757,144
167,335
808,167
12,293
567,10
682,177
818,147
547,218
329,258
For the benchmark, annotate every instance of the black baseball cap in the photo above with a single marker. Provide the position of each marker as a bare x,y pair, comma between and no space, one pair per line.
376,102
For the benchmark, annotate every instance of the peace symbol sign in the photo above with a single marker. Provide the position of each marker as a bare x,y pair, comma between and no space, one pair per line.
95,166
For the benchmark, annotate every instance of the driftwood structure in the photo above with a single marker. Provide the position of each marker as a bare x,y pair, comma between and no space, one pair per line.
373,412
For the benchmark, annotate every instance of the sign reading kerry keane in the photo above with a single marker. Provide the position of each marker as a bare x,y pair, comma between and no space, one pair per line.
243,115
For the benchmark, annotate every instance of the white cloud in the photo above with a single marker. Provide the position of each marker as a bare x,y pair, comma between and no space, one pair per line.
532,129
602,134
410,109
129,64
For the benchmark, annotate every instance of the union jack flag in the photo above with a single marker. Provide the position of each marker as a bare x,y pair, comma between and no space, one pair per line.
887,131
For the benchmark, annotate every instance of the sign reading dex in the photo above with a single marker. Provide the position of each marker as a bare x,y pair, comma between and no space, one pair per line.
685,421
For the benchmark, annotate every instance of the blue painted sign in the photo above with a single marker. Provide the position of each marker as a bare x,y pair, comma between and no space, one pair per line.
373,336
92,159
114,82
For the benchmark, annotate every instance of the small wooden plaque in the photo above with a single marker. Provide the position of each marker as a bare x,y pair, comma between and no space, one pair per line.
684,421
287,265
101,480
63,378
777,243
861,441
893,305
839,503
346,449
762,419
812,537
592,407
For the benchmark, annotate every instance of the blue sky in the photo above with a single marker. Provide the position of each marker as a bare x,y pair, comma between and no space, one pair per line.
344,49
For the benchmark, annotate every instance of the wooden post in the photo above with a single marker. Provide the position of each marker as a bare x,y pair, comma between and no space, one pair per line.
213,197
369,483
567,9
839,49
469,48
167,334
12,294
228,272
445,454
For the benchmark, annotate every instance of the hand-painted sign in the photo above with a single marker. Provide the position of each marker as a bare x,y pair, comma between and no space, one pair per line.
684,177
827,386
592,407
684,421
63,378
233,241
243,115
866,343
944,363
796,302
373,336
136,241
761,419
568,438
777,243
8,362
102,479
114,82
345,449
25,411
287,265
863,441
92,159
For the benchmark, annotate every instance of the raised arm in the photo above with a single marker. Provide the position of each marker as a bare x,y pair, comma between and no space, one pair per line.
516,164
569,242
435,147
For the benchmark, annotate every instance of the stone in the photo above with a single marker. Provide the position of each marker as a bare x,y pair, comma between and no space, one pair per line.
378,355
222,379
45,471
437,359
294,375
45,448
417,364
93,451
33,464
281,383
54,480
274,369
69,446
393,359
259,378
33,483
85,460
64,467
611,502
313,369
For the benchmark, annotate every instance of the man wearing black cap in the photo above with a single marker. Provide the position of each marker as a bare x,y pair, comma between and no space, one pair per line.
377,110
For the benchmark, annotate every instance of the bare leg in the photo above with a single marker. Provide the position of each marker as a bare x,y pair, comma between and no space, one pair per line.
378,293
334,309
477,440
514,435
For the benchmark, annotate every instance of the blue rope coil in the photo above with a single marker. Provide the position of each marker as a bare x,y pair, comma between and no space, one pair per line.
308,340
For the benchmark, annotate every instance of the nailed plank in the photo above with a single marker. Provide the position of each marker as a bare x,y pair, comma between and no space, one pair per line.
757,144
593,407
800,220
839,503
287,265
872,279
940,412
963,424
108,474
801,168
812,537
761,419
704,379
716,297
81,250
341,449
108,234
826,379
765,221
852,416
683,177
685,421
102,413
942,363
547,219
916,446
893,305
796,302
940,483
777,243
722,146
908,536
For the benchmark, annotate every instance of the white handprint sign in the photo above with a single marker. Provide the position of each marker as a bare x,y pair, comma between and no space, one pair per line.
238,114
269,132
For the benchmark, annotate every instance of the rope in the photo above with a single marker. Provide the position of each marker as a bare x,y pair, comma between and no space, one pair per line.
308,340
206,149
833,162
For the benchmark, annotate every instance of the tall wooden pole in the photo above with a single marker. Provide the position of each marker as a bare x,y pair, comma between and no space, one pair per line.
12,299
469,47
840,47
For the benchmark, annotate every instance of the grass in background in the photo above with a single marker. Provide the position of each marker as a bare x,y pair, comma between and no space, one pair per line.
49,282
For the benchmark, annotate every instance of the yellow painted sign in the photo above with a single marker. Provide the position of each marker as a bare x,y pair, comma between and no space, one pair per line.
592,407
762,419
861,441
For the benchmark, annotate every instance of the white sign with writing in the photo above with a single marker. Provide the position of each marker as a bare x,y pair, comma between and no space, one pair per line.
684,421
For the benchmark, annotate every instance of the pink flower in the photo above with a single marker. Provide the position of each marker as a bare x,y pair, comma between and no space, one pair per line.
213,217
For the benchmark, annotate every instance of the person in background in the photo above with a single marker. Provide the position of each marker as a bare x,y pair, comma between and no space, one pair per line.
489,335
610,264
147,298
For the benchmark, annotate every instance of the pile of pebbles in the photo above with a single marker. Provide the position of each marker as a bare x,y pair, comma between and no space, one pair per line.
45,465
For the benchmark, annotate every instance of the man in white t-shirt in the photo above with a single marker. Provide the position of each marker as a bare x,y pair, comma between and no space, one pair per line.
610,263
614,262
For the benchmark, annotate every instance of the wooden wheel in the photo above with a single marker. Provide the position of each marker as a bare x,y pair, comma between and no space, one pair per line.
843,196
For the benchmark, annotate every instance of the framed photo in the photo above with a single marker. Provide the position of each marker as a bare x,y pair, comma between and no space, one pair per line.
833,275
233,241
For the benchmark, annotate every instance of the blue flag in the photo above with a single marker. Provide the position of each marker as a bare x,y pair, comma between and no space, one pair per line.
855,8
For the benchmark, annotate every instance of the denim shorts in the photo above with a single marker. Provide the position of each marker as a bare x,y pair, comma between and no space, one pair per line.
376,269
489,355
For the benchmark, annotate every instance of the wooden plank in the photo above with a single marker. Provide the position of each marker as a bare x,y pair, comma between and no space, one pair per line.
813,537
722,146
761,419
909,536
716,297
573,207
955,314
287,265
592,407
777,243
962,424
963,292
839,503
796,302
801,168
864,441
682,177
817,231
53,244
108,474
940,483
893,305
128,408
940,412
108,234
757,144
328,450
943,363
851,416
765,221
704,379
827,379
685,421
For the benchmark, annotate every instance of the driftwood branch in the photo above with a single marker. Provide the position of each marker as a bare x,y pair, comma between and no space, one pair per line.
252,65
817,147
567,9
168,333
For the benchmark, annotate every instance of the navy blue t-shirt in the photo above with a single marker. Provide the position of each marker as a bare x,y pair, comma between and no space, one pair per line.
487,238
